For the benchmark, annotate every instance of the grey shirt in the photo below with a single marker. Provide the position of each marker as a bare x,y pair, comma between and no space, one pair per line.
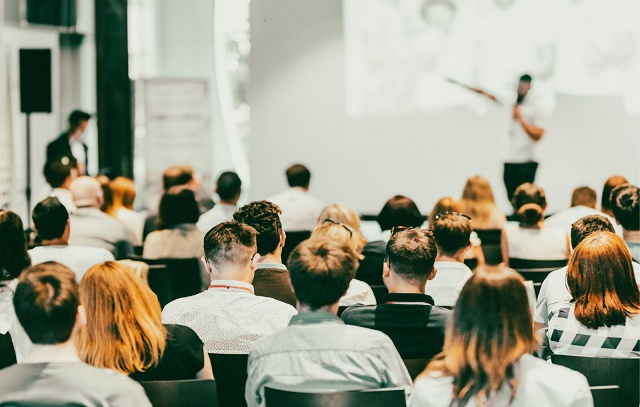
91,227
71,383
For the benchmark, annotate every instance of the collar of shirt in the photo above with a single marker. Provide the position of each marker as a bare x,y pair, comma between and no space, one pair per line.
186,227
316,317
407,298
450,265
232,285
279,266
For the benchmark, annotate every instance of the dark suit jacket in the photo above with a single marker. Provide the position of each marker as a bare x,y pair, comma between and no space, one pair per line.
60,147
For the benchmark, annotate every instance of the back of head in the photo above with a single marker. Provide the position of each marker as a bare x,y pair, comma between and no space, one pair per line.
178,205
230,245
264,217
584,196
399,211
452,232
76,117
123,192
411,254
124,330
480,355
338,232
50,218
56,172
587,225
478,189
346,215
446,204
526,78
529,201
625,205
107,194
86,191
321,270
46,303
14,256
177,175
228,186
298,176
612,182
601,280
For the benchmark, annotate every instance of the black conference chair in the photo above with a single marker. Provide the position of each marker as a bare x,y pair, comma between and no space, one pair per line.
624,373
536,270
416,366
182,393
379,291
230,372
491,245
365,398
605,396
293,240
173,278
7,352
472,263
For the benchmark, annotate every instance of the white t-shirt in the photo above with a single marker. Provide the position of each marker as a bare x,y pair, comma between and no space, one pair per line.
358,292
520,147
78,258
300,210
134,221
221,212
566,217
547,243
448,282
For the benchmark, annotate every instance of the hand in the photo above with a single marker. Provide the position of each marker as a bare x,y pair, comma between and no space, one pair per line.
516,112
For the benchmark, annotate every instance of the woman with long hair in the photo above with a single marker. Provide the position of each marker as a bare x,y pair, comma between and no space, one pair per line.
605,308
479,203
124,330
341,213
486,359
530,238
123,196
14,258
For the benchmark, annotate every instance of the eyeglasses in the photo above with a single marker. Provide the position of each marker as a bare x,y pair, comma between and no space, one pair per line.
438,216
346,227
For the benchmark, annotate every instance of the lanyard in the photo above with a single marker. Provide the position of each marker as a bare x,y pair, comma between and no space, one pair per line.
230,286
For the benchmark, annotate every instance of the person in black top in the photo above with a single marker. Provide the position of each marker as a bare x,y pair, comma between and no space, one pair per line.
69,143
407,315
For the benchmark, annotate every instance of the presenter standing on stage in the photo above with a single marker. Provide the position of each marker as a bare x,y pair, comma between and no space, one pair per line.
70,142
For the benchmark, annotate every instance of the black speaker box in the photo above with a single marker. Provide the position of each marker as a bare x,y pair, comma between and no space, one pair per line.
35,80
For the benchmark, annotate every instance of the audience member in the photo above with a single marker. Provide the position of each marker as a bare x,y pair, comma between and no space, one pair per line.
531,238
59,174
358,292
625,204
407,314
51,223
603,319
47,305
107,194
605,200
299,208
228,187
124,331
478,202
271,277
490,363
451,231
14,258
341,213
317,352
90,226
583,203
229,317
123,194
554,291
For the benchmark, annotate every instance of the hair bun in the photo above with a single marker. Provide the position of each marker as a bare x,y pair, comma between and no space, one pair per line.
530,213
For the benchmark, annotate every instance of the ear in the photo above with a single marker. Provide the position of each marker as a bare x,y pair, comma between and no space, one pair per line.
283,239
433,273
207,266
254,262
81,318
386,270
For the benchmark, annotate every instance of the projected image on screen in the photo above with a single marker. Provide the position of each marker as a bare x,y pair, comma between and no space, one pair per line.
401,54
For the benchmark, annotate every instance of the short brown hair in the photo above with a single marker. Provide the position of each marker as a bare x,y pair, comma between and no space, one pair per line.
178,205
399,211
625,204
612,182
584,196
177,175
46,303
264,217
452,233
411,254
298,176
230,243
321,270
587,225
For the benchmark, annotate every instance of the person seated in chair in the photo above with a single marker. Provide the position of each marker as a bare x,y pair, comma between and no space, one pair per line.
625,204
228,187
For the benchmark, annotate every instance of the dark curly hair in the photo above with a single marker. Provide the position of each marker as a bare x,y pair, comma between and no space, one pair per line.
264,217
14,256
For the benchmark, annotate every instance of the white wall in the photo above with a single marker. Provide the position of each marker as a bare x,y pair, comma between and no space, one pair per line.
297,97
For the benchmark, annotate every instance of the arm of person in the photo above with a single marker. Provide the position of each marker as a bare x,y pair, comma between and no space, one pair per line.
504,247
207,371
484,93
534,132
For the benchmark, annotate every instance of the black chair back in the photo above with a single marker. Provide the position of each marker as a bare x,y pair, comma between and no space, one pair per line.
293,240
491,245
7,352
365,398
416,366
472,263
379,291
624,373
171,279
536,270
181,393
230,372
605,396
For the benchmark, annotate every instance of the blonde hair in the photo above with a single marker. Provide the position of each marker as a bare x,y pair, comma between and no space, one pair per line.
123,194
478,201
446,204
338,232
341,213
124,330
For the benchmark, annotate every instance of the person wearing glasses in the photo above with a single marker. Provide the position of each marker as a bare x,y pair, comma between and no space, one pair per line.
228,317
452,231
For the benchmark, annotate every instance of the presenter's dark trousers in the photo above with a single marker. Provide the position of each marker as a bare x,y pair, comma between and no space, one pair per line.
516,174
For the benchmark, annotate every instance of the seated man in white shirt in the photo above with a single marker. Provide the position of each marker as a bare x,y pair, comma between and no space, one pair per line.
317,352
583,203
47,305
300,210
452,231
228,187
59,174
229,317
554,291
51,222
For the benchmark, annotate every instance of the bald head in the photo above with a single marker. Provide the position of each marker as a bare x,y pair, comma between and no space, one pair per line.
86,191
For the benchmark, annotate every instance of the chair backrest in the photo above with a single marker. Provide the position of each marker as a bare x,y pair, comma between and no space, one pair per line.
364,398
416,366
182,393
536,270
230,372
293,240
491,249
471,262
379,291
173,278
605,396
7,352
624,373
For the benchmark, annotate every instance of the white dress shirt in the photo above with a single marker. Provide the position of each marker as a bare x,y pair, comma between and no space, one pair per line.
546,243
300,210
565,218
229,317
134,221
520,147
448,282
358,292
221,212
78,258
9,321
